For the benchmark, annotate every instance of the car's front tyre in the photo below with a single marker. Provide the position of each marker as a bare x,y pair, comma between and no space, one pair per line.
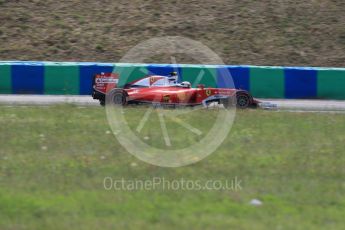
242,100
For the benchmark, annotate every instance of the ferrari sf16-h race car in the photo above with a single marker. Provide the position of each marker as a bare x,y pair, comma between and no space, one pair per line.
166,91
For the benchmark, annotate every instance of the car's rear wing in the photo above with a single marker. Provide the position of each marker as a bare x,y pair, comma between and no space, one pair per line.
104,82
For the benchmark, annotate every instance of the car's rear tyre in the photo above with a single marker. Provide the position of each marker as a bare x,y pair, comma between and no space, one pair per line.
116,97
242,100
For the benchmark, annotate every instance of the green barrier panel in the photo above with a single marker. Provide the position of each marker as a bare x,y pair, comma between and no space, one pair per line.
5,79
267,82
61,79
129,73
200,75
331,84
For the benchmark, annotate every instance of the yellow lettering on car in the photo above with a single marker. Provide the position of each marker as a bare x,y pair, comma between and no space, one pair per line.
181,96
166,98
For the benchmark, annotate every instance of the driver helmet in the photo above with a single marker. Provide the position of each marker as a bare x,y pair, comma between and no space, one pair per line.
186,84
173,77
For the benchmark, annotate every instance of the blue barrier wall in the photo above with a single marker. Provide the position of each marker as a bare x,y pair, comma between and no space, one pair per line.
75,78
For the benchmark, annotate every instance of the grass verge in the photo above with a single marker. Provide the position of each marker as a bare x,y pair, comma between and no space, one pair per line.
53,161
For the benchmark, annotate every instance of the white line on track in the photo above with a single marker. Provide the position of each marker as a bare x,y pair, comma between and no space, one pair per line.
308,105
281,104
46,100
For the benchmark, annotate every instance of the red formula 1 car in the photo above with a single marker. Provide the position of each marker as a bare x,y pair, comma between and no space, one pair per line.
166,91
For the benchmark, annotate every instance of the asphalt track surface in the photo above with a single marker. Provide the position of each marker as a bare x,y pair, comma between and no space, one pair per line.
270,104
